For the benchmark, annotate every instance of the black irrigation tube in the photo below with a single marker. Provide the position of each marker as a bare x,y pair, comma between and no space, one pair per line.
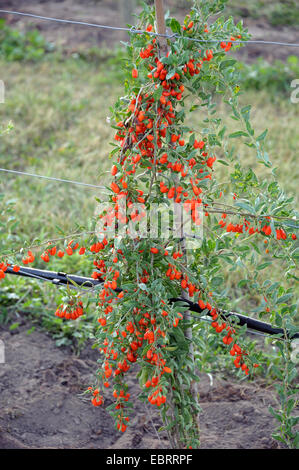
63,279
57,278
251,323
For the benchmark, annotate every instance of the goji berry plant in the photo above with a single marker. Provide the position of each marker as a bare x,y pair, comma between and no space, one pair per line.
162,156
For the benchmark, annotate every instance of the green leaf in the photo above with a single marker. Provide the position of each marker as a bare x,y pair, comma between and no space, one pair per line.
277,437
246,112
292,374
290,405
158,93
175,26
217,281
227,63
262,136
246,206
262,266
284,298
170,74
275,414
234,135
191,142
296,441
222,132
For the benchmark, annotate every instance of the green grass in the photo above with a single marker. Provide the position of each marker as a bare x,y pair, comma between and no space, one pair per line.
15,45
59,112
279,117
276,77
276,13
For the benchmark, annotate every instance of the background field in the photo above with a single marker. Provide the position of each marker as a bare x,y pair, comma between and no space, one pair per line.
60,82
59,102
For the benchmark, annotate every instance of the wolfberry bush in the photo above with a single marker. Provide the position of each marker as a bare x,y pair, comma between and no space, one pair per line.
162,156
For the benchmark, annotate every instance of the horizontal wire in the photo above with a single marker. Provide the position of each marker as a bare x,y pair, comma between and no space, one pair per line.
250,41
60,180
51,178
59,20
133,30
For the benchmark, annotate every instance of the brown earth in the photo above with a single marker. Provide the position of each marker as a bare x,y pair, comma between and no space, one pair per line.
74,38
41,403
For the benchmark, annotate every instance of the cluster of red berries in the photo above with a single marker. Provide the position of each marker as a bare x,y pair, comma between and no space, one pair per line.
97,399
266,229
3,268
71,311
29,258
131,339
219,326
140,137
69,250
227,339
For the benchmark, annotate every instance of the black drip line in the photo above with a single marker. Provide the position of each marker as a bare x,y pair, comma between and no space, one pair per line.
74,281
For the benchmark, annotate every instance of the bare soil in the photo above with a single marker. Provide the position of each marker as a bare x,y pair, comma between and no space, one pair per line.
74,38
41,403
